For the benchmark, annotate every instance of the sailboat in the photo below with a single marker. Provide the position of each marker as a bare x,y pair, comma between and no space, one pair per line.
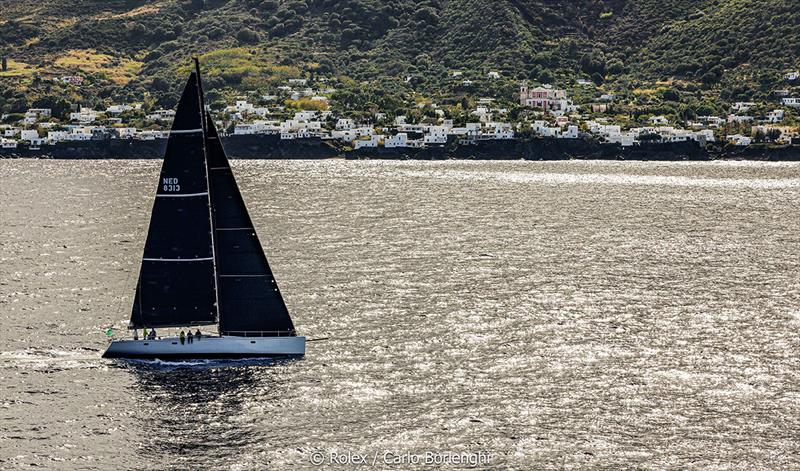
203,263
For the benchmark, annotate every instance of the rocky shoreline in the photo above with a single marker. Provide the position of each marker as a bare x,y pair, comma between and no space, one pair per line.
272,147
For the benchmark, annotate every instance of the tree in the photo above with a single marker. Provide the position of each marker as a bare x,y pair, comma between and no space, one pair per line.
5,64
57,104
593,62
671,95
773,134
160,84
615,67
247,36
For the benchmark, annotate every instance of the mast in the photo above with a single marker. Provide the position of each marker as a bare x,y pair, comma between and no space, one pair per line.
205,121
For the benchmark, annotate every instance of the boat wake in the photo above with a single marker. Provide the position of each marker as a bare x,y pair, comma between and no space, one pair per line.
50,359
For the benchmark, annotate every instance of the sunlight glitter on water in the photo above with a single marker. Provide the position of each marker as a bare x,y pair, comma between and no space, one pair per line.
555,314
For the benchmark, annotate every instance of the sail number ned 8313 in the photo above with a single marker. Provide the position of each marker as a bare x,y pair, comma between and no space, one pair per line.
171,184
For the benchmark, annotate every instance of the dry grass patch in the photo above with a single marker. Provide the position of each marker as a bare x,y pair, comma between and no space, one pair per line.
18,69
143,10
119,70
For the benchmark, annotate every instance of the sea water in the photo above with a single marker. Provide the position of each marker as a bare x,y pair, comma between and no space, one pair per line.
533,315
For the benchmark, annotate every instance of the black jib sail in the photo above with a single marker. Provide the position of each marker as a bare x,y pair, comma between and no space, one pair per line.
176,284
250,303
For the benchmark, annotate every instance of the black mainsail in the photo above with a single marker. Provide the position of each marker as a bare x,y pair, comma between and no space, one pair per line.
250,303
176,284
203,262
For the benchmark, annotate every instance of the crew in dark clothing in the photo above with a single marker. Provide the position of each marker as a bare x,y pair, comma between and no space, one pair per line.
183,337
197,334
190,337
152,334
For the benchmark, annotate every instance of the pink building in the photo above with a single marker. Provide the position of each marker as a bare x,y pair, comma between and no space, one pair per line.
544,97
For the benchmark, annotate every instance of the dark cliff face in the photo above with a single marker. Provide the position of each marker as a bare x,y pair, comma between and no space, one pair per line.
272,147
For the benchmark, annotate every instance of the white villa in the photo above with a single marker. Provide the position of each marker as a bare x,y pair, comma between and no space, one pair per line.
792,102
739,140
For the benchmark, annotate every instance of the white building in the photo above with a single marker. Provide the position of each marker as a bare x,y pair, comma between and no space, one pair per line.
151,135
80,133
364,131
493,75
57,136
626,139
8,143
125,133
244,129
35,114
739,119
775,116
84,116
371,142
29,135
161,115
435,135
659,120
739,140
711,121
743,106
119,109
344,124
704,136
792,102
570,133
398,140
72,79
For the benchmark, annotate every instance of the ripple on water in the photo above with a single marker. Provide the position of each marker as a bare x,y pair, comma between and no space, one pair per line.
556,314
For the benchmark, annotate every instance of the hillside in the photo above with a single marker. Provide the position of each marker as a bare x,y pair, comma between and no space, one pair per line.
383,52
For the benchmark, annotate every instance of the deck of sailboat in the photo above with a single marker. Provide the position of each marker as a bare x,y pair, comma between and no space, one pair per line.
208,347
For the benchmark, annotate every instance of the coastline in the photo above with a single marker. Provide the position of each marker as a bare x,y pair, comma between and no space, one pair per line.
262,146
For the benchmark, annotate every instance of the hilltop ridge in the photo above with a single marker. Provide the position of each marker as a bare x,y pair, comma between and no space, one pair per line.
709,51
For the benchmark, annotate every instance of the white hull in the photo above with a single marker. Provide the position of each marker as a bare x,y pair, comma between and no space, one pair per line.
208,347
